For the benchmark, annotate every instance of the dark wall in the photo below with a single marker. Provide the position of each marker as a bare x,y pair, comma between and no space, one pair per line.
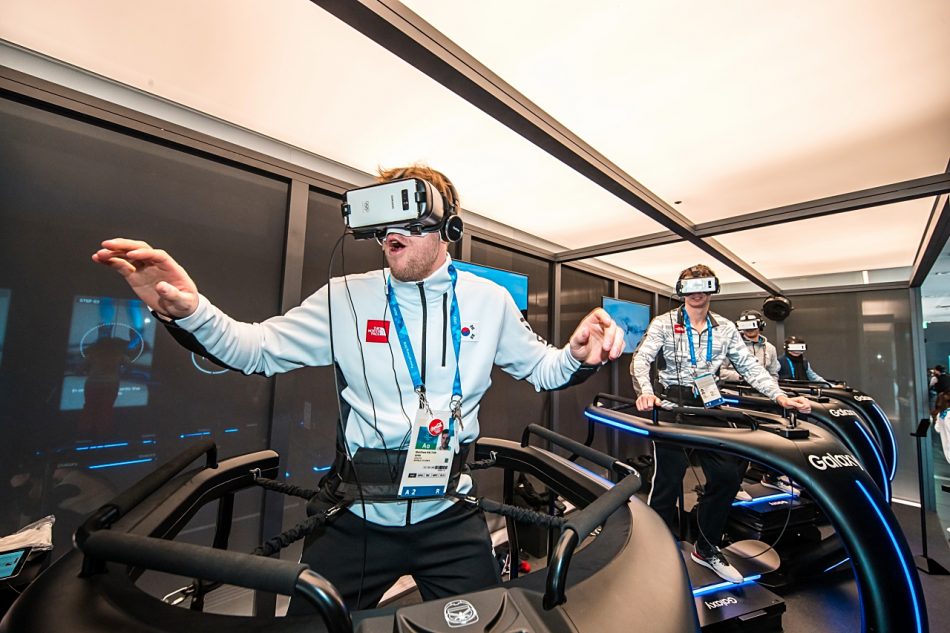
581,292
93,394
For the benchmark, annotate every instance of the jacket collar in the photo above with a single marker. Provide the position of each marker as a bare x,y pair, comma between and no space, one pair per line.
681,311
435,285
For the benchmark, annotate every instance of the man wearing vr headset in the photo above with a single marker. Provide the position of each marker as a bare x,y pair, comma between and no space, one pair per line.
694,342
793,365
409,375
750,325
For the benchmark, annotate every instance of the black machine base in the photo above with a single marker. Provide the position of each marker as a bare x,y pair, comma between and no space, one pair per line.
768,513
745,608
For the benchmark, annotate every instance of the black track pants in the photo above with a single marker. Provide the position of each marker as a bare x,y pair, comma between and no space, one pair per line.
447,554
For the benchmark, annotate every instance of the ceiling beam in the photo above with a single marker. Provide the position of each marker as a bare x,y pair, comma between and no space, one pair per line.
933,242
395,27
863,199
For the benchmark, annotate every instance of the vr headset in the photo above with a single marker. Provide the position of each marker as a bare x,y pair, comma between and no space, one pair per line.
409,204
750,320
796,347
692,285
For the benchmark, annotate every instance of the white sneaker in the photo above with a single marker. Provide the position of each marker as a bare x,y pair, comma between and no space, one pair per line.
742,495
782,483
718,563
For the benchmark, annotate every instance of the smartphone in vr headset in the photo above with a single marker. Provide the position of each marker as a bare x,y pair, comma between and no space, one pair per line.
697,284
796,347
410,204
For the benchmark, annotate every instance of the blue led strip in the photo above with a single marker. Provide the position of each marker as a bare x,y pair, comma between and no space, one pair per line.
748,580
897,552
95,447
231,430
890,433
838,564
880,461
730,400
198,434
320,469
775,497
616,425
125,463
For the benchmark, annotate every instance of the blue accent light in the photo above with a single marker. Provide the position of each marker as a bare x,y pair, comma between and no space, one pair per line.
232,430
148,441
730,400
904,567
890,432
616,425
125,463
880,461
775,497
838,564
320,469
748,580
95,447
198,434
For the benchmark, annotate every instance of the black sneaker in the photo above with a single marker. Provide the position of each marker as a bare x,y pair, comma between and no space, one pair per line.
718,563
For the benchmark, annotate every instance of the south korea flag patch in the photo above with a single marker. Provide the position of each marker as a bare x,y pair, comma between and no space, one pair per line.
469,332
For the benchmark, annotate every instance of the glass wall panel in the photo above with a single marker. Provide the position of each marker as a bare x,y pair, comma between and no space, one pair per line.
93,394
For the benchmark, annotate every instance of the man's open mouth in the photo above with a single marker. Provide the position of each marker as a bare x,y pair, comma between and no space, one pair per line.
395,243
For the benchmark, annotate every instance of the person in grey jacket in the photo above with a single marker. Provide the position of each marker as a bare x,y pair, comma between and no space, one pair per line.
750,325
694,342
401,358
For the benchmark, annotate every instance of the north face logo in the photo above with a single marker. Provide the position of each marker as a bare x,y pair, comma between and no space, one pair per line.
377,331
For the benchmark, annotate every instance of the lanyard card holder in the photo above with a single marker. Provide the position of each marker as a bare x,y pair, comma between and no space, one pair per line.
705,387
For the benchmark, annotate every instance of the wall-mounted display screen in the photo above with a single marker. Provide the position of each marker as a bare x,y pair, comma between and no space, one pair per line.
634,318
109,354
515,283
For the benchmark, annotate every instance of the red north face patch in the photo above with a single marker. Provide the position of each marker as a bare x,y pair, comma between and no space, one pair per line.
679,329
377,331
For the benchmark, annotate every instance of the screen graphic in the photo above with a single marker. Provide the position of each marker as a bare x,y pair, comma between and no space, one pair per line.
634,318
109,355
515,283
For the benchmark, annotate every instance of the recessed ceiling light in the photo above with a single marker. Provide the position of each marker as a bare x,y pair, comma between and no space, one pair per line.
943,272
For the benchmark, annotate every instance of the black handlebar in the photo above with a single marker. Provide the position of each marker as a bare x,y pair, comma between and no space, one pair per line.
720,414
125,501
194,561
590,454
576,530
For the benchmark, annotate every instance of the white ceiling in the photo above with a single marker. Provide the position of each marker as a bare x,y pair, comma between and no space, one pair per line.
718,108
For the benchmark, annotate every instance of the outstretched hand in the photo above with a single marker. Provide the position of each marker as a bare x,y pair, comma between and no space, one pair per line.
597,339
153,275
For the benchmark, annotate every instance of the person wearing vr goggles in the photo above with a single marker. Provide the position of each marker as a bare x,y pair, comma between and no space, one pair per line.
793,365
694,343
408,378
750,325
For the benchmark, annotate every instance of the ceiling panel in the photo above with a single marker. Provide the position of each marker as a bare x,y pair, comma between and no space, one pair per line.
730,107
663,264
868,239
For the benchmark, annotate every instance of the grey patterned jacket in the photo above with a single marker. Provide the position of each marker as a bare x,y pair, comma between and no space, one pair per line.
667,332
763,352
